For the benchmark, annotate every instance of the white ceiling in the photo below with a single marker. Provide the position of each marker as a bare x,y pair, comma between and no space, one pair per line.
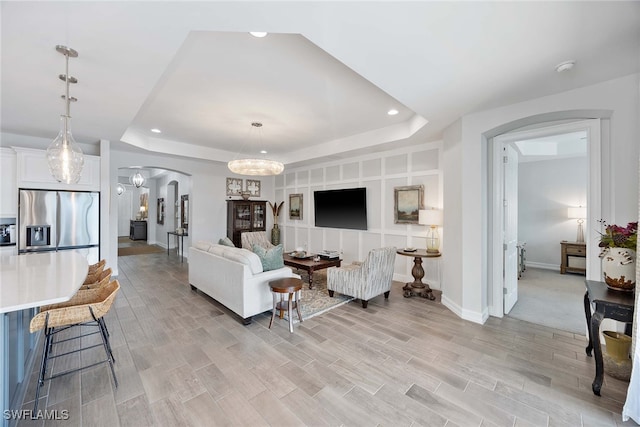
320,82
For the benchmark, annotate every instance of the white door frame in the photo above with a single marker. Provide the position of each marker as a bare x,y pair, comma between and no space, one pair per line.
594,201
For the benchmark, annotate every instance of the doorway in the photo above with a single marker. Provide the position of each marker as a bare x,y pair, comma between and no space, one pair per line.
504,286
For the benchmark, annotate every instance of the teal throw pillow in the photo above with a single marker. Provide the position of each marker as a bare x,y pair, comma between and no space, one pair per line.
271,259
226,241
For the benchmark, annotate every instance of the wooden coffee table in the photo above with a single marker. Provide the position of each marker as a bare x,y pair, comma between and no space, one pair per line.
309,265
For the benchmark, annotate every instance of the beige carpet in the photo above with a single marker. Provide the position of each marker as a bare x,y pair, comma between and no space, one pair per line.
546,297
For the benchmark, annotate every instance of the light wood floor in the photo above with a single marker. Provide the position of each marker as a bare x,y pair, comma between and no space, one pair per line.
182,359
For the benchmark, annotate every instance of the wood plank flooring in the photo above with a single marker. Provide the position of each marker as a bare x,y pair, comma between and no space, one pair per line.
184,360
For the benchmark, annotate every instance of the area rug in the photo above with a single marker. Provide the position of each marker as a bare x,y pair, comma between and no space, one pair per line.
139,250
317,300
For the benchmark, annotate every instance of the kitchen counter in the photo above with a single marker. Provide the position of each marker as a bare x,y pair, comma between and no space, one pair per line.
32,280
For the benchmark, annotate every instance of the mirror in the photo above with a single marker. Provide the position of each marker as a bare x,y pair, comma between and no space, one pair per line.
184,211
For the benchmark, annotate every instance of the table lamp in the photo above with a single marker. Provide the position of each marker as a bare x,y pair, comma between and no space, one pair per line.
432,218
579,213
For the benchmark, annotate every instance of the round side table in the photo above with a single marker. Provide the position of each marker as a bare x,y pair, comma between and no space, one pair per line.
291,286
417,287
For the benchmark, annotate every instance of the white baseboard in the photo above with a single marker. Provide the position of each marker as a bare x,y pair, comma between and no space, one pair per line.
472,316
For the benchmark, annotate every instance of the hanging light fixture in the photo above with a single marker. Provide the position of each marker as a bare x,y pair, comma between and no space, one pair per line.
64,156
120,189
137,180
255,166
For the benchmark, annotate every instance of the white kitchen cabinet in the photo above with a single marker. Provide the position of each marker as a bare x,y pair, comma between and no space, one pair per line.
8,184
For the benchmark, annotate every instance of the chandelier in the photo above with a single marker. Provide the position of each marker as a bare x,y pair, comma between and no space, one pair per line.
64,156
137,180
253,166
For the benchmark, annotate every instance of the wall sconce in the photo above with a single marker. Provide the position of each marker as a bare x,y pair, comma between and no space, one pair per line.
432,218
579,213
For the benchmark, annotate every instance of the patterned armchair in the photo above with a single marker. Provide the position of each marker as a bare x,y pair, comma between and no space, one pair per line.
364,280
249,238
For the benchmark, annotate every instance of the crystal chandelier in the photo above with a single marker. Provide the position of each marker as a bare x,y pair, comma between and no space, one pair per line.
137,180
255,166
64,156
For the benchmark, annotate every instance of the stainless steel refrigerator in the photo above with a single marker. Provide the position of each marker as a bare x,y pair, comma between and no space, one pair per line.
59,220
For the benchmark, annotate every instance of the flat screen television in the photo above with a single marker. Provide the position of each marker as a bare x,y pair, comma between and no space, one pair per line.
346,208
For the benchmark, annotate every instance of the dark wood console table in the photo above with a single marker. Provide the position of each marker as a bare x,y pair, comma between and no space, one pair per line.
180,243
616,305
417,287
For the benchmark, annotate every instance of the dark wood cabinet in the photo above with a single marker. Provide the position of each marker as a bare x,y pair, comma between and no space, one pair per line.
138,230
245,215
573,257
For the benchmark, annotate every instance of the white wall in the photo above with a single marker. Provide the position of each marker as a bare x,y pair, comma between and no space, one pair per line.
545,190
466,189
379,173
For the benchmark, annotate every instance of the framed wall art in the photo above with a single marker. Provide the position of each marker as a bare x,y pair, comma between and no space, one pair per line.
234,186
295,206
407,201
160,211
253,187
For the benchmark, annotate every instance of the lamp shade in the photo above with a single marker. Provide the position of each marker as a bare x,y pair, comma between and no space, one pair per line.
430,217
577,213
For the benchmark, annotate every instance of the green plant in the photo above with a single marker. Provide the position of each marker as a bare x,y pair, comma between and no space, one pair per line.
615,236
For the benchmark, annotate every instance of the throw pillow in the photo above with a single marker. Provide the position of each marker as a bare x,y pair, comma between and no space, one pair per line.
271,259
226,241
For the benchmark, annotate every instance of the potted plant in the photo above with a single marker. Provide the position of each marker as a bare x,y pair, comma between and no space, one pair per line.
275,231
618,255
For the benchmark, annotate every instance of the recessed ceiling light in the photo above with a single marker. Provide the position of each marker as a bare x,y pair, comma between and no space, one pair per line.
263,151
258,33
154,130
565,66
392,112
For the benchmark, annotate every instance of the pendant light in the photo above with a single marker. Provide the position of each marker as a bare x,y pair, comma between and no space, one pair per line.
120,189
253,166
64,156
137,180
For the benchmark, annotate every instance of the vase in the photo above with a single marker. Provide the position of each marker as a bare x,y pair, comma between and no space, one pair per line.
616,360
275,234
619,268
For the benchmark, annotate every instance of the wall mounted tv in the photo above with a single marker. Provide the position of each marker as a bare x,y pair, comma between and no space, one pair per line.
345,208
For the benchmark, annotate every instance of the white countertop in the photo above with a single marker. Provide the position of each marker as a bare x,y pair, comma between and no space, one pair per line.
32,280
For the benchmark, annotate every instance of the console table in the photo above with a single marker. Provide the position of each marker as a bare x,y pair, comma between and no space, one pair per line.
180,243
417,287
616,305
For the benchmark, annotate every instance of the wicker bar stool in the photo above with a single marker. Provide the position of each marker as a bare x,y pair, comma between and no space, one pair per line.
94,272
86,308
105,275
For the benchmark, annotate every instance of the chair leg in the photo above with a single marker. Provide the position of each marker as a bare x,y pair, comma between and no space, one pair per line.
46,348
107,350
386,294
365,303
330,293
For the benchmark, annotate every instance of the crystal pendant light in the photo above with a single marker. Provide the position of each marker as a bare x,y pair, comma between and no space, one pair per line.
120,189
64,156
250,166
137,180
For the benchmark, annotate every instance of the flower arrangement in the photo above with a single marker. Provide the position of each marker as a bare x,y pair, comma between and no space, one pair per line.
619,237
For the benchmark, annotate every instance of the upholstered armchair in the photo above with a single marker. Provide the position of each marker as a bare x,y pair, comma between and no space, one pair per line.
364,280
250,238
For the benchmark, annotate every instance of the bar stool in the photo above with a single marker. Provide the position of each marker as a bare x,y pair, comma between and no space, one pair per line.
86,308
292,287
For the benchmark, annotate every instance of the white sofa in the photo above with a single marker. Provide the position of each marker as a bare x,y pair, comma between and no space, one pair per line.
234,277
